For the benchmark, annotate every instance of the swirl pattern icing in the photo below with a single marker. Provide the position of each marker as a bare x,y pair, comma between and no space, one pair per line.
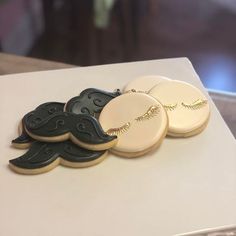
43,154
90,101
83,127
45,110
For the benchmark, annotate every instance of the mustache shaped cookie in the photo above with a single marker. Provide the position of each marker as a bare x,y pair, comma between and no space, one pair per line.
90,101
187,107
84,130
43,157
23,141
139,120
40,113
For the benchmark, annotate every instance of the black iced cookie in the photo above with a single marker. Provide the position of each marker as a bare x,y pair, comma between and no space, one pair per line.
23,141
90,101
42,112
42,157
84,130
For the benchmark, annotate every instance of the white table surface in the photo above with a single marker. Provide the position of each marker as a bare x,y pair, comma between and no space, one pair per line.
186,185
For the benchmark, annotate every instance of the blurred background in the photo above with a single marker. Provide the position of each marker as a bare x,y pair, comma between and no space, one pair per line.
91,32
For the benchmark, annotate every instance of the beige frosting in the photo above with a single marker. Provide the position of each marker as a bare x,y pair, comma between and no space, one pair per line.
145,83
182,119
140,135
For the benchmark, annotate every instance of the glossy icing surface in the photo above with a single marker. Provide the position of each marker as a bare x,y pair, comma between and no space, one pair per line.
145,83
187,107
137,119
43,154
83,127
90,101
42,112
24,138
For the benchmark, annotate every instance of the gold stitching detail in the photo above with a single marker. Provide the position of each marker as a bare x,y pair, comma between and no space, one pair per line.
170,107
120,130
199,103
150,113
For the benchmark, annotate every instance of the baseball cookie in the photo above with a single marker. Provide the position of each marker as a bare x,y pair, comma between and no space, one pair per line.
90,101
43,157
145,83
139,121
187,107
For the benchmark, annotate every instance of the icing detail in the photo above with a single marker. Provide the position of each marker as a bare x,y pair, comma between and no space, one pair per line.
59,123
199,103
45,110
97,129
135,91
150,113
43,154
90,101
24,138
137,137
85,110
170,107
120,130
83,127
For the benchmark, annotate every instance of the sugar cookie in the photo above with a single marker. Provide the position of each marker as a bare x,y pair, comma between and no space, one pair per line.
84,130
187,107
23,141
90,101
43,157
41,112
145,83
139,121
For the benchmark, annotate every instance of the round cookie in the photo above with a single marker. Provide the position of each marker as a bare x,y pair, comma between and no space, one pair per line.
145,83
187,107
139,121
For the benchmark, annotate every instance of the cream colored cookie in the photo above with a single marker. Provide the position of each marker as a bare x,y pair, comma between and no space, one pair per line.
187,107
59,161
139,121
145,83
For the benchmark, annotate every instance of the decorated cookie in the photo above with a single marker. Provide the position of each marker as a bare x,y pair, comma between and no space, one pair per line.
84,130
42,157
187,107
40,113
145,83
139,121
90,101
23,141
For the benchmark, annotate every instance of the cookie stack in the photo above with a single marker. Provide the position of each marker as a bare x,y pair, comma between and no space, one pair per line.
79,133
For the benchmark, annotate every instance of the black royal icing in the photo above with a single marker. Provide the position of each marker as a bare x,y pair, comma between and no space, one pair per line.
24,138
39,114
90,101
83,127
43,154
